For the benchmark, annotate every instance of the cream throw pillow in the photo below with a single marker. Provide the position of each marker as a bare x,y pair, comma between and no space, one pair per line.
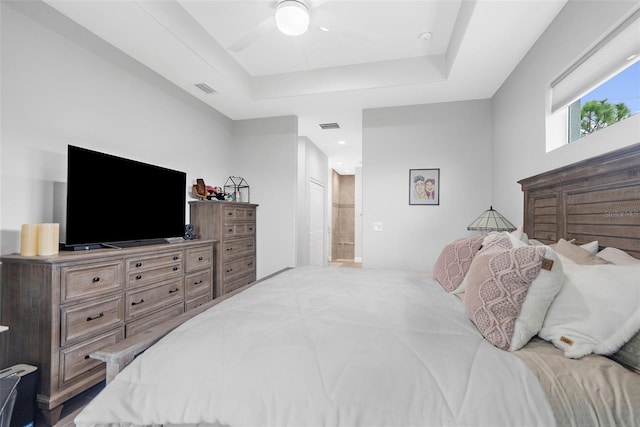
576,254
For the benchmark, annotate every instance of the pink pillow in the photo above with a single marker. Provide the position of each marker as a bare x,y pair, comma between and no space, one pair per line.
509,292
454,261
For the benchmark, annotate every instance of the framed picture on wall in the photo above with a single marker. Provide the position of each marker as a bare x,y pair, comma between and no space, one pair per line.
424,186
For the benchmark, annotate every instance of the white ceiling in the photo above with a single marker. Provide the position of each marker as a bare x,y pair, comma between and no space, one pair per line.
371,56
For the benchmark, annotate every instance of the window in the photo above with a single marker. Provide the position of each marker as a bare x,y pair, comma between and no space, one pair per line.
616,99
600,89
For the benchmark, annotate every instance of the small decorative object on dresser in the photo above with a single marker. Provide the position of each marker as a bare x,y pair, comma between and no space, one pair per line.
424,186
238,187
233,225
200,189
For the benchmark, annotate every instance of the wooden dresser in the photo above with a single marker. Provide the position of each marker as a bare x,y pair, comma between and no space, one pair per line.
62,308
233,225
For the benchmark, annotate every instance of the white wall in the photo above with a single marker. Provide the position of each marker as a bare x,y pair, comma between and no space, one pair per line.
455,137
62,85
265,154
518,108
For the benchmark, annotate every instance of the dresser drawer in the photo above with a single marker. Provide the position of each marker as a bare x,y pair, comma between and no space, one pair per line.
90,279
240,214
147,262
197,284
238,248
140,278
198,258
143,301
233,230
75,360
233,269
235,283
141,325
84,320
190,305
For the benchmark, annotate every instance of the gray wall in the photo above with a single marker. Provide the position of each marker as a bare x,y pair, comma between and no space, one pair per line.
454,137
520,108
265,153
63,85
313,165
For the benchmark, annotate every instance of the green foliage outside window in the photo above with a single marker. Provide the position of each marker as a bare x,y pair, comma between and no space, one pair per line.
598,114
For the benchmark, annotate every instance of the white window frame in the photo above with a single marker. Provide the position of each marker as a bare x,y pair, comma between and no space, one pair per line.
605,59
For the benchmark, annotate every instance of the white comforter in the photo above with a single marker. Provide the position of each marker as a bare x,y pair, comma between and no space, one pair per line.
327,347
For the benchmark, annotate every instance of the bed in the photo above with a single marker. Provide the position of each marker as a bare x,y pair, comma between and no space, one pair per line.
343,347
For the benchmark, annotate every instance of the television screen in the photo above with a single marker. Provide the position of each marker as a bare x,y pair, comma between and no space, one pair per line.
116,201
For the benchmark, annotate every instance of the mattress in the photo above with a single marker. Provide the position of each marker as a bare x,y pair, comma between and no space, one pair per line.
325,346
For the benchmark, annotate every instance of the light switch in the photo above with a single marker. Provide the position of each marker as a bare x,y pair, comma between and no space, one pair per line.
377,226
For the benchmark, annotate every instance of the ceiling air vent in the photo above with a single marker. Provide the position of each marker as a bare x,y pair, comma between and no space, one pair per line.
205,88
326,126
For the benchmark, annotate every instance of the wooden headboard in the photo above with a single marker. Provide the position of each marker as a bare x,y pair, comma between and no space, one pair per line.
595,199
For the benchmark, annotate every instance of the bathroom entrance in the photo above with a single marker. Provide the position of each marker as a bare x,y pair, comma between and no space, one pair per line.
343,214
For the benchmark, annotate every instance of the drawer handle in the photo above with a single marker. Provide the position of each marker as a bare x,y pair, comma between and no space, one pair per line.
229,213
250,245
89,319
87,357
95,279
139,276
175,269
231,230
198,282
138,264
230,270
173,291
229,249
137,303
249,264
200,258
175,258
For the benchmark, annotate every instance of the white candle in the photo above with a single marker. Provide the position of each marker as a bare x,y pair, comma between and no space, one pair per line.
29,240
48,238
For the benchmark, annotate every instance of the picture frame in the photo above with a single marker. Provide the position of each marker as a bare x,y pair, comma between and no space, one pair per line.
424,187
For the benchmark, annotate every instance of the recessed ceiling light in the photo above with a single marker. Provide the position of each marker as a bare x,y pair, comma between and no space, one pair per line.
341,142
325,29
425,36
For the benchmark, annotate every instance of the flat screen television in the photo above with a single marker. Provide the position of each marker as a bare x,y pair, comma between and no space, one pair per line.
114,201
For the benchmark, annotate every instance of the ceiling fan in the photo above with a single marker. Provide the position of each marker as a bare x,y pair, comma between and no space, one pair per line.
293,18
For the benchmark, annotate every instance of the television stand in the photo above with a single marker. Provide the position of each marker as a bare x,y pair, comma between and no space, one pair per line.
63,307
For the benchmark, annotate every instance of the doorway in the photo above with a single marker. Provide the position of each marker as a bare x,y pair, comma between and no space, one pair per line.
342,218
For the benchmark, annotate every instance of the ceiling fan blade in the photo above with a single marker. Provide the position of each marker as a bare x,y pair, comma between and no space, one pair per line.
321,18
305,47
260,30
317,3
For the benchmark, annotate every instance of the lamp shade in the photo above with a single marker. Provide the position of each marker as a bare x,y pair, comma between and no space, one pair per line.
292,17
491,220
